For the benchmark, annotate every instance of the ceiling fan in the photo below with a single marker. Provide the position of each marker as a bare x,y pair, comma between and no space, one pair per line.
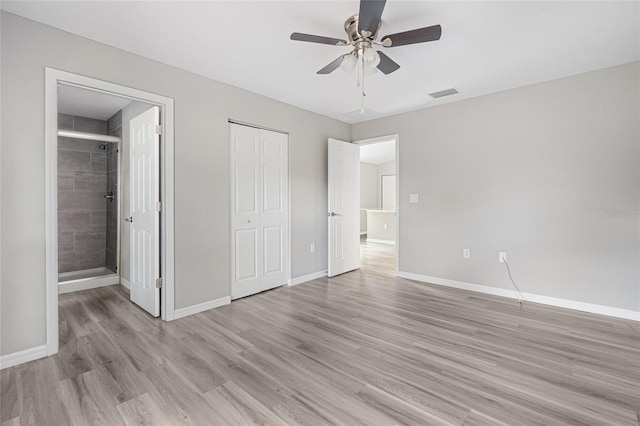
362,30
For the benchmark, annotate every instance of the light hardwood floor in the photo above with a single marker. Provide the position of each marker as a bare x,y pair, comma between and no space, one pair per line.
360,348
377,258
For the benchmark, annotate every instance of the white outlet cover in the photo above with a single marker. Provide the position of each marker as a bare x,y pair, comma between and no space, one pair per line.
413,198
502,257
466,253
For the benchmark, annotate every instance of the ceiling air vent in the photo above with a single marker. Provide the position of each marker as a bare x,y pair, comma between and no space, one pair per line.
443,93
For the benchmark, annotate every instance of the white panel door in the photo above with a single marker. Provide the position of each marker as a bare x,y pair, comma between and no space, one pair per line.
344,207
275,208
259,217
145,218
245,217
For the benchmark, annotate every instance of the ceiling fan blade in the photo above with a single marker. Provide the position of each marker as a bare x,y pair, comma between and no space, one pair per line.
387,65
318,39
369,15
332,66
419,35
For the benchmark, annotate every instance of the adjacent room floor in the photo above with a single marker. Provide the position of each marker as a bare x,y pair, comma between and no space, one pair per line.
377,258
360,348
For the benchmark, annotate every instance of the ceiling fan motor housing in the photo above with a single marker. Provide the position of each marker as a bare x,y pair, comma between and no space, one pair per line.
351,28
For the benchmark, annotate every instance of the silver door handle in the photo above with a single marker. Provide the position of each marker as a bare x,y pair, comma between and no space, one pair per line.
128,219
331,214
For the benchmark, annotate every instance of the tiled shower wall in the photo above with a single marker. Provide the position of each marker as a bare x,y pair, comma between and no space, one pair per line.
82,208
114,128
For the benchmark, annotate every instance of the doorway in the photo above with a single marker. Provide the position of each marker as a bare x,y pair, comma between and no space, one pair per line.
378,205
89,177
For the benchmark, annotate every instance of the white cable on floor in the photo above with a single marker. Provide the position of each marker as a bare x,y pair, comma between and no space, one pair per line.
521,299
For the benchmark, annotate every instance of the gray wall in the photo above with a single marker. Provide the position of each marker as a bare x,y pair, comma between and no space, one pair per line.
82,182
202,110
548,173
368,186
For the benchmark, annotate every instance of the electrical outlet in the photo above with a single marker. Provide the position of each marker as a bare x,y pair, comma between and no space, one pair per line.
502,257
312,248
385,226
466,253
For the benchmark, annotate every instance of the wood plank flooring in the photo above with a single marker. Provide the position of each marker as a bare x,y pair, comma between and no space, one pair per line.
361,348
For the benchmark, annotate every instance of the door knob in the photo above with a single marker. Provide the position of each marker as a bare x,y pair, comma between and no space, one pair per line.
331,214
128,219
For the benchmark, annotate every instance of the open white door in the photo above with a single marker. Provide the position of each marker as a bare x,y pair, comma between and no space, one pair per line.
145,210
344,207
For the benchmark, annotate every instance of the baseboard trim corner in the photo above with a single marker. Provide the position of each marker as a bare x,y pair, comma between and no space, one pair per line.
125,283
201,307
535,298
306,278
20,357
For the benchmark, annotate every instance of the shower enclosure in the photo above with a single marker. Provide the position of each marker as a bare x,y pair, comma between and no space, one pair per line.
88,199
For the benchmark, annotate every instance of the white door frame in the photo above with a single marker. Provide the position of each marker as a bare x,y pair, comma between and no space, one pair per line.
52,78
395,137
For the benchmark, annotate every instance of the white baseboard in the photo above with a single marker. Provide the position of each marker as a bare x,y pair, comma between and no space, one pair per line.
201,307
87,283
373,240
305,278
545,300
125,283
20,357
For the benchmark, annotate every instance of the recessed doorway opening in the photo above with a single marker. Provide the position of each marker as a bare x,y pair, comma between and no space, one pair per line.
378,205
109,193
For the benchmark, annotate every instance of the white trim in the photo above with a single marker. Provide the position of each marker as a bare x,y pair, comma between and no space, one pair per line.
305,278
20,357
52,78
373,240
201,307
125,283
535,298
87,283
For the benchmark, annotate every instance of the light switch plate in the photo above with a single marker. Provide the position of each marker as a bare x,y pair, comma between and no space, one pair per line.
413,198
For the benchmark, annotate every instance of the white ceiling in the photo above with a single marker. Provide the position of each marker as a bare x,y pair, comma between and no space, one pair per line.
378,153
88,103
485,46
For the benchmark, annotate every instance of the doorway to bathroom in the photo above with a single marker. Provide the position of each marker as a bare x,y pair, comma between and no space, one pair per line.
90,191
109,160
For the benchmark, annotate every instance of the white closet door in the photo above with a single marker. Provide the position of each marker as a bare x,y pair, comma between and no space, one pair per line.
259,199
275,206
245,216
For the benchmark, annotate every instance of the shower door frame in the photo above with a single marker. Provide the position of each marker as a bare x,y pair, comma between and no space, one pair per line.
53,77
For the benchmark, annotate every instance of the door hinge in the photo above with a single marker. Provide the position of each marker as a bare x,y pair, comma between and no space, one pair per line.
159,129
158,206
159,283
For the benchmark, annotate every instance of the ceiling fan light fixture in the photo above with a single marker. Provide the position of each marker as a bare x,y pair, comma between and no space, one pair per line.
370,54
349,63
370,68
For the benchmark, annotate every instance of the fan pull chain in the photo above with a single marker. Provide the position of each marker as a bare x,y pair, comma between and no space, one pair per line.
362,110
